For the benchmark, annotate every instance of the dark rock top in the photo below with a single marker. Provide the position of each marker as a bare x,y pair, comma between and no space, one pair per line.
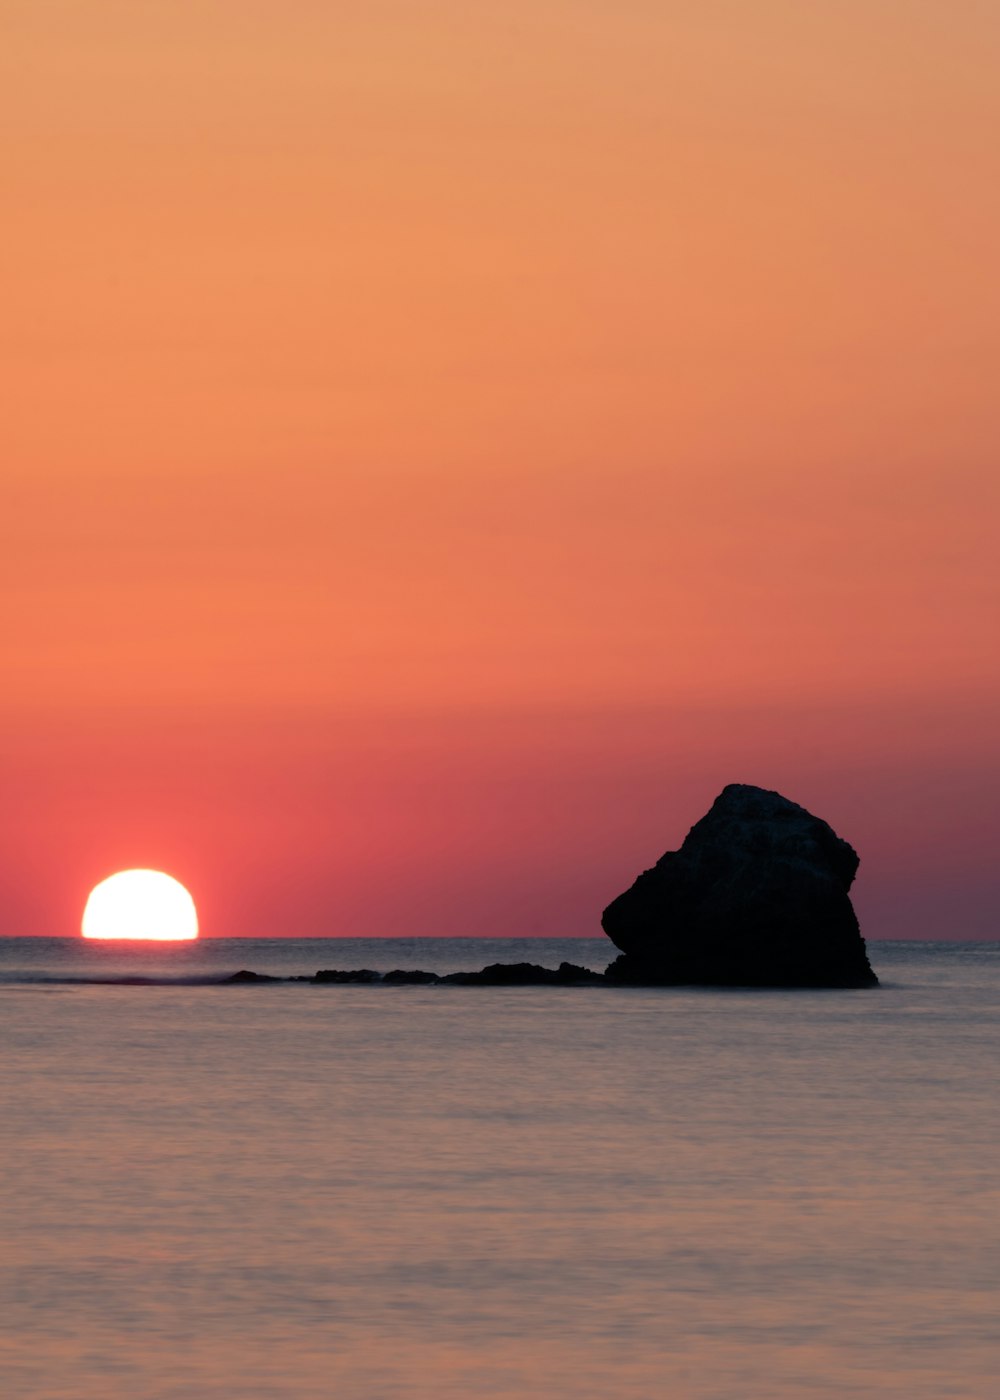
526,975
757,896
495,975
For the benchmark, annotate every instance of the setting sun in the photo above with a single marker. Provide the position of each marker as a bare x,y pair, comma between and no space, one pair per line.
140,904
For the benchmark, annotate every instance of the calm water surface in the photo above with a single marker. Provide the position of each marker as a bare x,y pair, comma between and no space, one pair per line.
404,1193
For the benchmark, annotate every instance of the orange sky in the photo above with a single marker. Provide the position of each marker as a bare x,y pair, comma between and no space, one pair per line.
443,444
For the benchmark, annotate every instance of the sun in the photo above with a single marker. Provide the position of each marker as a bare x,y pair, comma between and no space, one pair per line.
140,904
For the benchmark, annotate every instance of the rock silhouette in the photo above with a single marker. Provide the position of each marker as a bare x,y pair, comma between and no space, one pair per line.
359,974
526,975
494,975
757,896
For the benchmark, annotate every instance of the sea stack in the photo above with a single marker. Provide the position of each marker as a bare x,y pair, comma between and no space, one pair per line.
757,896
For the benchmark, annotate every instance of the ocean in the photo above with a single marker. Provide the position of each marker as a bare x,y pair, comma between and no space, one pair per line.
225,1192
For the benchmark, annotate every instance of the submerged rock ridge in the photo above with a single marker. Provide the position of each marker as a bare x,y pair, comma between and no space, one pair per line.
495,975
757,896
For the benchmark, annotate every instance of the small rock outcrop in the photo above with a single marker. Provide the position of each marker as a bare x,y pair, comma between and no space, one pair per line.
410,977
757,896
357,974
526,975
494,975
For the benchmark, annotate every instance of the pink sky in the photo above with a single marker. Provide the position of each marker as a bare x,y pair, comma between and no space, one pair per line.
445,446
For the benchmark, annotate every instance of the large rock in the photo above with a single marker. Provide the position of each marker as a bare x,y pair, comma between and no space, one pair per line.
757,896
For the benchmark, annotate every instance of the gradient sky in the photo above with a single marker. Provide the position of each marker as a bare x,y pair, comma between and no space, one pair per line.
443,444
